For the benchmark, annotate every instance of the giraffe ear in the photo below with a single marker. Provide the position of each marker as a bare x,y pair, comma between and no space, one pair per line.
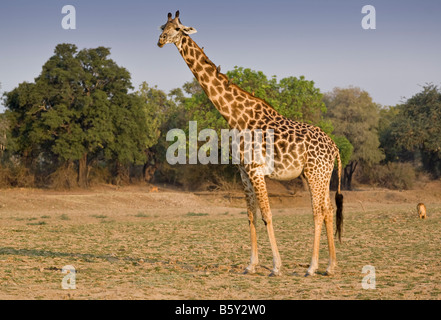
189,30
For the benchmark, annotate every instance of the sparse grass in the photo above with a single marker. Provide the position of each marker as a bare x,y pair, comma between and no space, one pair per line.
39,223
176,257
196,214
99,216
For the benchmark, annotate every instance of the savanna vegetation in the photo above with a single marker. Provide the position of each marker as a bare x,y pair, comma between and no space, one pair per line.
81,122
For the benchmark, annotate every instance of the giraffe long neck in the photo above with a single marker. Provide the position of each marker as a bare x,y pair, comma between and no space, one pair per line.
238,107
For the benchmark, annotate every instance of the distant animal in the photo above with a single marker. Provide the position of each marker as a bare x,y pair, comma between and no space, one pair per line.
153,189
421,208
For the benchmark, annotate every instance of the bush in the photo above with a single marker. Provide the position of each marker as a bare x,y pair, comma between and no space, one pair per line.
65,177
16,176
99,175
393,175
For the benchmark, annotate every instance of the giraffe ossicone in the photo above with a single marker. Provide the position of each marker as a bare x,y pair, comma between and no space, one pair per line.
299,148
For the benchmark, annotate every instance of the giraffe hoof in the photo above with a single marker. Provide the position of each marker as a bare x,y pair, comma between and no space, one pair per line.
249,271
275,273
309,274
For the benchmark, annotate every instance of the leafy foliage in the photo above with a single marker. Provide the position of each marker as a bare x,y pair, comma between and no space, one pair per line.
415,127
355,116
78,110
80,116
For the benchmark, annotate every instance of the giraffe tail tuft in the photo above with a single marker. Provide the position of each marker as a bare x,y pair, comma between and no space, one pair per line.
339,215
339,202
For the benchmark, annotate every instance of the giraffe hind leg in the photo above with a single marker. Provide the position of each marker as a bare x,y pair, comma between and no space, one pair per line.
317,200
322,212
330,235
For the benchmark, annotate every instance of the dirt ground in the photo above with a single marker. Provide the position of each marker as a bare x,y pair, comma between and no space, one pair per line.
141,243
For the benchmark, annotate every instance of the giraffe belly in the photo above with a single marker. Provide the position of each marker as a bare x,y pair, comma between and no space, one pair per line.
281,173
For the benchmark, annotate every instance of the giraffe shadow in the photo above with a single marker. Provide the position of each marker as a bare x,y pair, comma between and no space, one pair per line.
105,257
51,254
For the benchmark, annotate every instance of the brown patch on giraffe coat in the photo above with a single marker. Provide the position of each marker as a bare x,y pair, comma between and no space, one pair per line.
210,71
204,78
198,67
248,103
216,83
241,123
235,113
229,97
240,98
221,101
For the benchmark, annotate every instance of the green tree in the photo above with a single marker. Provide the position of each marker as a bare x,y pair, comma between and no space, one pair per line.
388,140
77,110
346,149
162,115
355,116
416,127
4,128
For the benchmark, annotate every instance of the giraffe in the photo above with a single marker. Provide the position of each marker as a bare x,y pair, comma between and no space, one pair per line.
299,148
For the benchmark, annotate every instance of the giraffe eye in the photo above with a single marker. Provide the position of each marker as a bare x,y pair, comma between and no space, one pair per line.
177,29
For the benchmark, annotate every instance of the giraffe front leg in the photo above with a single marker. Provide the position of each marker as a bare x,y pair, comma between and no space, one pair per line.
258,181
252,210
254,260
277,262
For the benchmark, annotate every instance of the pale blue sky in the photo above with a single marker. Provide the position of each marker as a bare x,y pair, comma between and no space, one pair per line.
322,40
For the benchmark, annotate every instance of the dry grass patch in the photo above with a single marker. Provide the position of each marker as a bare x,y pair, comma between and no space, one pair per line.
124,253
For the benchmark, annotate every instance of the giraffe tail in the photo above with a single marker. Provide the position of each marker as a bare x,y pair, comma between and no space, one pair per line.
339,202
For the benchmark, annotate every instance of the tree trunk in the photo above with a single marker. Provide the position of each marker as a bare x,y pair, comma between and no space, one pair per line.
348,172
83,172
121,174
149,172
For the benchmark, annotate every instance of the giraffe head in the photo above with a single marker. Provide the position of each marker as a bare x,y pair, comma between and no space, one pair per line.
173,30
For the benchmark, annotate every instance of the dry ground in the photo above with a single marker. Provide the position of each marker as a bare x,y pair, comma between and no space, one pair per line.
130,243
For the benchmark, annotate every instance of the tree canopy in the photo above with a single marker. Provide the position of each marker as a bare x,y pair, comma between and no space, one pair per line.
82,114
416,128
355,116
79,109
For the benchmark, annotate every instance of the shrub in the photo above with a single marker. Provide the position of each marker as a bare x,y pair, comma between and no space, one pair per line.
65,177
16,176
393,175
